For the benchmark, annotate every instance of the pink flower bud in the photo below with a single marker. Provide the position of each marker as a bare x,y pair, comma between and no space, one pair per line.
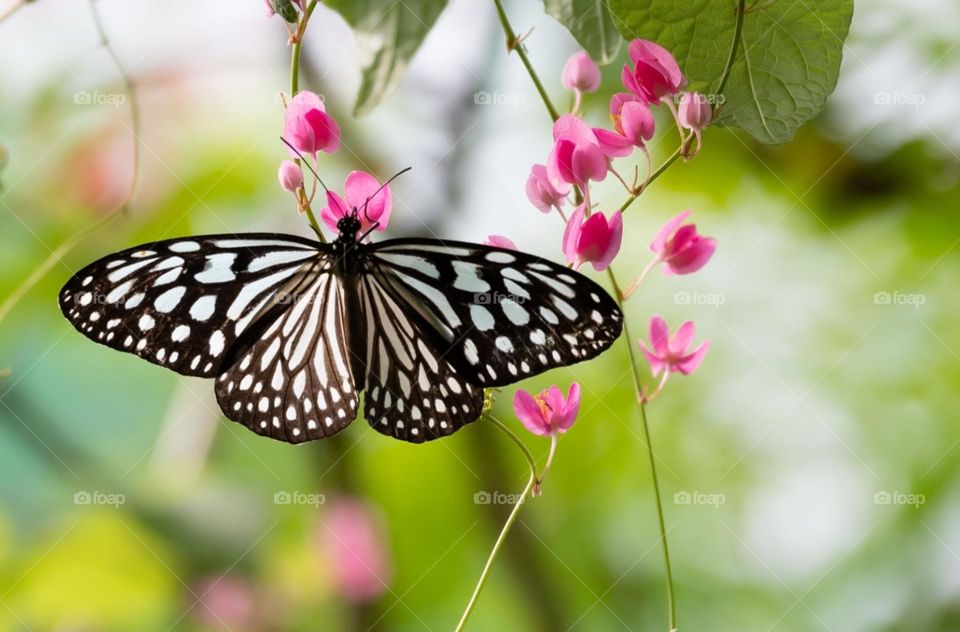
681,248
655,73
290,176
548,412
541,191
595,239
694,112
581,73
308,127
270,10
672,354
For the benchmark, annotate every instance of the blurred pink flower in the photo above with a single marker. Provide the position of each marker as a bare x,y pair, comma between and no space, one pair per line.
308,127
577,156
549,412
655,73
671,354
227,602
581,73
290,176
270,10
543,193
500,241
595,239
360,191
681,248
354,542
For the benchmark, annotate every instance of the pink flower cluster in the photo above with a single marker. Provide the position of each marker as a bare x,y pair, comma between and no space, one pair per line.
309,130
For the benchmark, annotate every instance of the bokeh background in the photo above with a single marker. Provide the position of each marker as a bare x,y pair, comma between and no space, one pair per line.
811,467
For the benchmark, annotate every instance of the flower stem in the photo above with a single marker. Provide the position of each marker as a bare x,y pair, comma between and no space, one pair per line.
653,176
732,57
638,385
295,87
513,44
511,519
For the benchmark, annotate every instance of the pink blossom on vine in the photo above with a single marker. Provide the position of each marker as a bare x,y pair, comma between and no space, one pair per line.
632,118
594,239
308,127
499,241
363,192
681,248
581,73
694,112
577,156
544,193
352,538
672,354
290,176
655,73
548,412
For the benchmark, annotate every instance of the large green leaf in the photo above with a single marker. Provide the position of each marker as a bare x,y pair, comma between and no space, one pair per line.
388,34
786,65
590,22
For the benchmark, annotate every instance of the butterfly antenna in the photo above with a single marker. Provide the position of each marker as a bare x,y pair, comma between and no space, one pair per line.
307,163
382,187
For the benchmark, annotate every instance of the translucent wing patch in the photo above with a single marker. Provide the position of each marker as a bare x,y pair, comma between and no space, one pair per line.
503,315
414,393
295,382
182,303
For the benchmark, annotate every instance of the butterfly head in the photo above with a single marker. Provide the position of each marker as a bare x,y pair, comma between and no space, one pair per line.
348,226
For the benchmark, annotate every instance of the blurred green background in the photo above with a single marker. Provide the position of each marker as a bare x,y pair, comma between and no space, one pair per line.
811,467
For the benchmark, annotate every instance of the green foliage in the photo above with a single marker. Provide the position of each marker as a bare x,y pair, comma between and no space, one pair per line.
388,34
786,65
591,25
285,9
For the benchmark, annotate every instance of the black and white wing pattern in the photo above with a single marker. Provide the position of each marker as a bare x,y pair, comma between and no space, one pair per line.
446,319
295,382
182,303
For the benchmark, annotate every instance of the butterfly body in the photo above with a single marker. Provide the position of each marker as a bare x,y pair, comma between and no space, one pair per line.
294,329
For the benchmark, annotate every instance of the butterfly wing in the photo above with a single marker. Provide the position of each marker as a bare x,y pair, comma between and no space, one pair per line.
295,382
499,315
414,393
182,303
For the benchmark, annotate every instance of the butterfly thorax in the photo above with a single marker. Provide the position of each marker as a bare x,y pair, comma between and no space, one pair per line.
346,241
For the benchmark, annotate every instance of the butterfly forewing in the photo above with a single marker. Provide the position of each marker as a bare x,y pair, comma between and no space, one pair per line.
182,303
413,391
295,382
503,315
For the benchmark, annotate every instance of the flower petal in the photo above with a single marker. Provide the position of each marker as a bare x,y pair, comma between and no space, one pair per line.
360,187
667,231
689,363
333,211
659,336
614,239
528,412
682,339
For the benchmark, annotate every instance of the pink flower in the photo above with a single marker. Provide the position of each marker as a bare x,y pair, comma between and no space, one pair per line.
632,118
543,193
270,10
549,412
577,156
290,176
353,540
681,248
581,73
694,112
671,354
655,73
361,191
595,239
227,602
308,127
499,241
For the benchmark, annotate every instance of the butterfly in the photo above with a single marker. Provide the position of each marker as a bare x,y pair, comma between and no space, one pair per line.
294,329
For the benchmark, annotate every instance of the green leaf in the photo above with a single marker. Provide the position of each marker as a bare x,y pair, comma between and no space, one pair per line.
591,24
786,65
286,10
388,34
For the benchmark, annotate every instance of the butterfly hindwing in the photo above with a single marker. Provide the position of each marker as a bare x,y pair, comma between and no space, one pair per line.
504,314
182,303
413,391
295,382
